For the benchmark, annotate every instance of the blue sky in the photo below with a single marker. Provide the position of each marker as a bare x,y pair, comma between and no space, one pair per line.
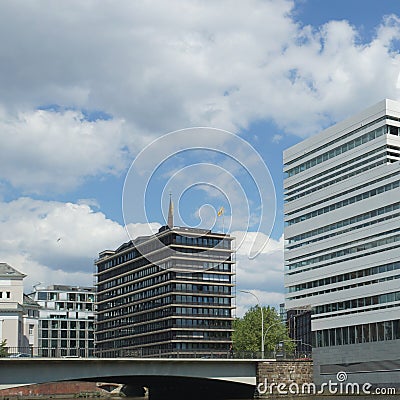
85,87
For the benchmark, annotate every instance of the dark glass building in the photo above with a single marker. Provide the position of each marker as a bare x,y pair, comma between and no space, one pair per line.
298,322
169,293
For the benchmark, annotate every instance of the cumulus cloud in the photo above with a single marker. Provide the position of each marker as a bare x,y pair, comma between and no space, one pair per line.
262,275
154,71
54,242
44,151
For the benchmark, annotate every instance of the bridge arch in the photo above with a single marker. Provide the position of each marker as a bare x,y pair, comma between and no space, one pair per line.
165,378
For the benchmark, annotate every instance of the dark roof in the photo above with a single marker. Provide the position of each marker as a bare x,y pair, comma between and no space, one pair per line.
6,271
29,302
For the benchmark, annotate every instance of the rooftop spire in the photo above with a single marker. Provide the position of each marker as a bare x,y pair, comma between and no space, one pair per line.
170,222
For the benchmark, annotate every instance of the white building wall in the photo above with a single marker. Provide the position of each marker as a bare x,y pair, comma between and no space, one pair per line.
301,264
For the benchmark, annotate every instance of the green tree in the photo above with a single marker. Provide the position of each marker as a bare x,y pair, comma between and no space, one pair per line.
247,332
3,348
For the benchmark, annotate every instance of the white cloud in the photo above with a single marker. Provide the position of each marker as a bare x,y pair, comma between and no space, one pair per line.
218,65
44,151
155,71
262,275
54,242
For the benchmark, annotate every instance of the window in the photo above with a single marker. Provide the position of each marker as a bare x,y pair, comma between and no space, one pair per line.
42,296
31,327
8,295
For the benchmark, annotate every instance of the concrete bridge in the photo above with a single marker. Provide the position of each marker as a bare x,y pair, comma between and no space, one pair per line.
165,378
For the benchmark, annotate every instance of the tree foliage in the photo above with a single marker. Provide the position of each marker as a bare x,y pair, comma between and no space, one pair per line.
247,332
3,348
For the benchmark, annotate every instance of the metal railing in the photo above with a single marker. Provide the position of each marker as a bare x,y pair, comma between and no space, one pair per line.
25,352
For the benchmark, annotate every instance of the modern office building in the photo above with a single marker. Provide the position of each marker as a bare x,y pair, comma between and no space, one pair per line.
18,313
169,293
66,320
342,242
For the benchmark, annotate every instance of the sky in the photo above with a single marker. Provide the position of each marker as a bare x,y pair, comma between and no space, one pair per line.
106,108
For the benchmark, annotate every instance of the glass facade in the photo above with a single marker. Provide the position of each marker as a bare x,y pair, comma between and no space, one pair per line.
179,301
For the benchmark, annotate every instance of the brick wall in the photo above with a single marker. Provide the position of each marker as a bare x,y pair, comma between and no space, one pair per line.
288,373
54,388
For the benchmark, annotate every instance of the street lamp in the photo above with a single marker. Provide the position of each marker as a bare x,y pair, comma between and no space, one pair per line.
266,331
262,320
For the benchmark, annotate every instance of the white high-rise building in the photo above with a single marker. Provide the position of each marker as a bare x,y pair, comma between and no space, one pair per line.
342,251
66,320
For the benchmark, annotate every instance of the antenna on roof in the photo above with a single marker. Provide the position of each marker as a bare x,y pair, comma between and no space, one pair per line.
170,221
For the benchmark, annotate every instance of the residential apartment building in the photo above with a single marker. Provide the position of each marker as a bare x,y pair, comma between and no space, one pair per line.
18,313
342,241
66,320
169,293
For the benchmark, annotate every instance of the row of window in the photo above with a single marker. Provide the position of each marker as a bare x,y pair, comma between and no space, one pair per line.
198,253
107,349
132,308
339,177
343,223
139,284
56,351
354,257
131,319
128,319
357,303
351,229
350,200
114,294
347,243
350,250
204,323
203,242
336,170
345,277
63,296
340,138
137,270
60,305
164,336
160,325
216,312
44,333
209,335
367,137
66,344
215,266
141,268
189,287
45,324
5,295
366,283
202,346
373,332
115,301
157,243
203,299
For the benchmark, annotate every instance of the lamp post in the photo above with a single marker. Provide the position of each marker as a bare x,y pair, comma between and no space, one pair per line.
266,331
262,320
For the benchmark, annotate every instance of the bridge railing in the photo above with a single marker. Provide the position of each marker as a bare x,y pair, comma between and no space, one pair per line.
22,352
